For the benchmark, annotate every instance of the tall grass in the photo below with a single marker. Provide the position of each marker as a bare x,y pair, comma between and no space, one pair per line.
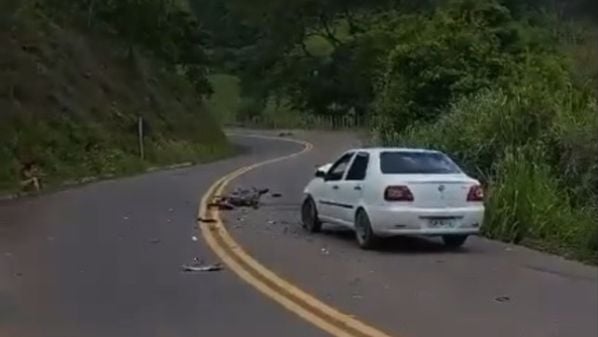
535,145
528,202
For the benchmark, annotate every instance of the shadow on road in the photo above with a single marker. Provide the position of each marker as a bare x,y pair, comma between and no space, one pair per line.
399,244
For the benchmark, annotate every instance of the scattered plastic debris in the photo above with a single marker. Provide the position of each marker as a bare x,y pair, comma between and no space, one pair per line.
202,268
502,299
272,222
240,197
222,205
194,238
355,282
325,251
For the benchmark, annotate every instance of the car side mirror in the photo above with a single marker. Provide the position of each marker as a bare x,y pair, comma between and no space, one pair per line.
322,171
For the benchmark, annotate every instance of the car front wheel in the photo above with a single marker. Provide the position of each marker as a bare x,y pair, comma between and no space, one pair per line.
454,241
309,216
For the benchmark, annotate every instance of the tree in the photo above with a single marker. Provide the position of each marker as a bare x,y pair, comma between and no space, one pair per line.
461,49
160,27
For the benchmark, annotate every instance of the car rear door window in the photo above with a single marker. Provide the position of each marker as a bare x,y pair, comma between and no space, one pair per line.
358,170
398,162
338,169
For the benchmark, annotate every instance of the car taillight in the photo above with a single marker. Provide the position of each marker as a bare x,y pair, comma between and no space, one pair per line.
398,193
476,193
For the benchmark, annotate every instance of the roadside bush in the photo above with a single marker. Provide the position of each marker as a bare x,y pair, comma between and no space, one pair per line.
250,108
534,143
527,202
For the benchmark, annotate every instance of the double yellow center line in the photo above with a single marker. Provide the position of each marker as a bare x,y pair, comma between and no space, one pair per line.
282,291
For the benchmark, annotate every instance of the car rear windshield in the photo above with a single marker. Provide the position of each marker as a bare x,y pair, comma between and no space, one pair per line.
417,163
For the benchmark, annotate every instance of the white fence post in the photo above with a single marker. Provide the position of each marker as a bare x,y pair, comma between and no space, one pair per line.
140,135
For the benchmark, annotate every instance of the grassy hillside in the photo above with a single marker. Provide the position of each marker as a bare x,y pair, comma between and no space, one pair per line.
224,103
70,100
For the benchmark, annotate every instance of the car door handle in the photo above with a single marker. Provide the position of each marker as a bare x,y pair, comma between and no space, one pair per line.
357,188
335,187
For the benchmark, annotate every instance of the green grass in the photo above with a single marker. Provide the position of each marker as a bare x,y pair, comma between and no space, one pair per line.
536,151
318,46
70,101
527,204
226,105
225,102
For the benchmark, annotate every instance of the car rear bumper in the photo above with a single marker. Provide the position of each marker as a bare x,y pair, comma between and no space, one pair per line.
419,221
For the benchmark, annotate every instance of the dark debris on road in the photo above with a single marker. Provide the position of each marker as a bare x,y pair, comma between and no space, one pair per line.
240,197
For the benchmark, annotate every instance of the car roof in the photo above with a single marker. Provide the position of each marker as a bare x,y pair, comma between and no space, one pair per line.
376,150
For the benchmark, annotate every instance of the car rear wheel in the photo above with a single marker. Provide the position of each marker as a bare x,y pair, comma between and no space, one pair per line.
454,241
366,238
309,216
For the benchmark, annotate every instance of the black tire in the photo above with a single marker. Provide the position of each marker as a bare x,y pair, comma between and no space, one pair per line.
366,238
454,241
309,216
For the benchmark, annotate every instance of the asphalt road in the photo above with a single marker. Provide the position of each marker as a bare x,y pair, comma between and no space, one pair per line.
104,260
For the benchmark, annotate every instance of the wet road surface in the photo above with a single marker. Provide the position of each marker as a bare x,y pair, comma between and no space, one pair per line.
104,260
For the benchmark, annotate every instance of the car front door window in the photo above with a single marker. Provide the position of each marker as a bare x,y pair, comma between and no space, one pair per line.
358,170
337,170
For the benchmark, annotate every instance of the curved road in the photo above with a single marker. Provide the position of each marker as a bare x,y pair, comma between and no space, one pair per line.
104,260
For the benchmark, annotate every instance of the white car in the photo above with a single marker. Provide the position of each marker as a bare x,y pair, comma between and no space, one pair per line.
381,192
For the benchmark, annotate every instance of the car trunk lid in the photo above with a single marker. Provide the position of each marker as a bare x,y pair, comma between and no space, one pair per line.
436,190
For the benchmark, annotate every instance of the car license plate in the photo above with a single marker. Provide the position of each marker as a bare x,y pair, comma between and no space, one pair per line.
442,223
